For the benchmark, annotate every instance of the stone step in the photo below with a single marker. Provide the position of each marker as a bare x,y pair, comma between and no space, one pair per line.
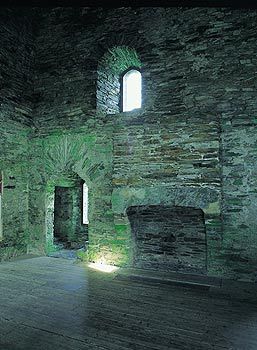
229,289
64,254
182,279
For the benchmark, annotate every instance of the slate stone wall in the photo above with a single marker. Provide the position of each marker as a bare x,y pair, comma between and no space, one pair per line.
17,64
193,141
239,160
108,91
170,238
16,87
196,127
14,165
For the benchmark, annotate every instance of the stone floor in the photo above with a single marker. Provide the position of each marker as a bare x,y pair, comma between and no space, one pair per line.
48,303
64,253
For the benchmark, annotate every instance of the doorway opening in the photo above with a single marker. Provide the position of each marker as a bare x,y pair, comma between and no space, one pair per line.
70,223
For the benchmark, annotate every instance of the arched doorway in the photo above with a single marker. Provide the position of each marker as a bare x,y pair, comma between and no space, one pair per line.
67,229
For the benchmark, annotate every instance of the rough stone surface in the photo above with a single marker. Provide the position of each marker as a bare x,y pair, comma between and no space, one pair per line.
17,47
16,84
168,238
193,143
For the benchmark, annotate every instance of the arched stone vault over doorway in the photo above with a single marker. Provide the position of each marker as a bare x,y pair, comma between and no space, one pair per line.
66,160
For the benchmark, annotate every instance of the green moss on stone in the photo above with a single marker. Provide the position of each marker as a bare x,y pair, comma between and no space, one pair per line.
121,228
120,58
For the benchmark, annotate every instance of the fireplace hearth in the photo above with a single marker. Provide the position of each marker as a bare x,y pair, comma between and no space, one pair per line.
169,238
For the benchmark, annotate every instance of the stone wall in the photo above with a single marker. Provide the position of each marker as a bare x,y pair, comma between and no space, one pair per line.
14,165
192,144
198,89
17,64
239,160
169,238
16,84
56,158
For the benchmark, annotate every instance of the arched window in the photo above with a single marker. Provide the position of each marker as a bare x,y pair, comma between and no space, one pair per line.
118,81
131,90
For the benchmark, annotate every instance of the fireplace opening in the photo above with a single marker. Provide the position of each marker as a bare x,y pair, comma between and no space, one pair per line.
169,238
69,227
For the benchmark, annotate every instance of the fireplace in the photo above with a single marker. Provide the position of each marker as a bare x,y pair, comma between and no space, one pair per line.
168,238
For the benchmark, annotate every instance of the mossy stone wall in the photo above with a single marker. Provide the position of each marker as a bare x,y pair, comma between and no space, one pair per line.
192,144
197,70
14,165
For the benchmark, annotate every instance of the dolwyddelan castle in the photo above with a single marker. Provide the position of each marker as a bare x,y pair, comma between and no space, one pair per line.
171,183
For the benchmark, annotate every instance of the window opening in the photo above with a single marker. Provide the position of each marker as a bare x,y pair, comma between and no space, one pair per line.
131,83
85,204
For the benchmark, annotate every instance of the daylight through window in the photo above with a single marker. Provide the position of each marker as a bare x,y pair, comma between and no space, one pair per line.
131,90
85,204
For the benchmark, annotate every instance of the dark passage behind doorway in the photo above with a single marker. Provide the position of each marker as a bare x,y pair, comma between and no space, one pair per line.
69,232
